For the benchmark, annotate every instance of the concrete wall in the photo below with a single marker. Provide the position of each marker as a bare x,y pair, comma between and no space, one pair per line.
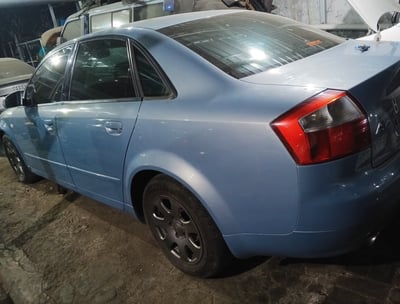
318,11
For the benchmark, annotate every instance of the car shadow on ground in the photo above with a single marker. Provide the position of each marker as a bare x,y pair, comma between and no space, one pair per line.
385,251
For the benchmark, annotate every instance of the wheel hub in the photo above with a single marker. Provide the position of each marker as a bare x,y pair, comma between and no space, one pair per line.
177,226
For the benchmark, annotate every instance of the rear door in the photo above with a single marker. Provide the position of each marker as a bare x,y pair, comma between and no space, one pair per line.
95,126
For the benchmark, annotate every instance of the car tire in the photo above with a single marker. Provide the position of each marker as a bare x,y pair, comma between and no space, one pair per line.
17,163
184,230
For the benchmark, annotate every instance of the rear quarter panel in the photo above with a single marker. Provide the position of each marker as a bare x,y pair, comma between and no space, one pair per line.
215,138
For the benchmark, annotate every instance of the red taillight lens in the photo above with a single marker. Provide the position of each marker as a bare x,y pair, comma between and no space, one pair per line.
325,127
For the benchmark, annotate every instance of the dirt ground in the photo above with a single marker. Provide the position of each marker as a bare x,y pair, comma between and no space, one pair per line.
70,249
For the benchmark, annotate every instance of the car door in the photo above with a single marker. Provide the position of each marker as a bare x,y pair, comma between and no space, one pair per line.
95,126
36,133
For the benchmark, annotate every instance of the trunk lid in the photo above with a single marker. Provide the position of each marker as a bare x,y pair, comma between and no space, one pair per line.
369,71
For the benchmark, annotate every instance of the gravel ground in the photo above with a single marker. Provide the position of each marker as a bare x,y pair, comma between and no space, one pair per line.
70,249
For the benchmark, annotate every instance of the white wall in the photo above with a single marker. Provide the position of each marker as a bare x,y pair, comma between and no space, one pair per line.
318,11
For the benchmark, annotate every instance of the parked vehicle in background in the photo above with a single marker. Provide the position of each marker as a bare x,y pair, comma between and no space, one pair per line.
90,20
14,74
382,17
109,16
48,40
227,132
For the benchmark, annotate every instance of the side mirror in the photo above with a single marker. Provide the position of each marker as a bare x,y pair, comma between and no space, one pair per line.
29,99
13,100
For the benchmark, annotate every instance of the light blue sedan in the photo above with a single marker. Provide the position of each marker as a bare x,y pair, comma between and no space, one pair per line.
230,133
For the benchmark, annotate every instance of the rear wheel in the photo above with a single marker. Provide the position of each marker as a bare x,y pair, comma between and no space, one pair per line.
184,230
23,173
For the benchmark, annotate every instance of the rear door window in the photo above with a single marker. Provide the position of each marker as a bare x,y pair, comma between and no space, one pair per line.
151,80
102,71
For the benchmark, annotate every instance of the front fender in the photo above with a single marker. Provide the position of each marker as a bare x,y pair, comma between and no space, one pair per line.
5,129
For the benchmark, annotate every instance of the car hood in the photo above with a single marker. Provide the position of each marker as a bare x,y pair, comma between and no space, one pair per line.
15,79
391,34
371,10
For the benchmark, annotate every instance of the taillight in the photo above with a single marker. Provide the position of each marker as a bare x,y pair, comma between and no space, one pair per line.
327,126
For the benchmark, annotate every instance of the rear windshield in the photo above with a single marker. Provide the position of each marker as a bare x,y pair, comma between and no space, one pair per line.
243,44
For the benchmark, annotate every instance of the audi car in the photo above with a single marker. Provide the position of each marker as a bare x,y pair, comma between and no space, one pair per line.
230,133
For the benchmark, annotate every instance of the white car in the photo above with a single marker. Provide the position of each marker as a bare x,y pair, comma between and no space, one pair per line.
14,75
372,11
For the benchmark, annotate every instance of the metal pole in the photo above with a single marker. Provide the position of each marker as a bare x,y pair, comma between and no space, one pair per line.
11,49
20,50
53,16
322,6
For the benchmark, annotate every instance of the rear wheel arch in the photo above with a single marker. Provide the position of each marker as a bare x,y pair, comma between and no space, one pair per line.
138,184
189,177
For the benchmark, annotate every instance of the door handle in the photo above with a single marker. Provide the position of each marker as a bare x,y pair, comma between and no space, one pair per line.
113,127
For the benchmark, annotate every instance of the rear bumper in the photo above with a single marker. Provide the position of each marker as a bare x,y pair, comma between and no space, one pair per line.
340,208
301,244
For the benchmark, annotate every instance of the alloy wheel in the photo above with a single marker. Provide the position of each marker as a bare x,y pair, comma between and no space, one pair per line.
14,159
176,229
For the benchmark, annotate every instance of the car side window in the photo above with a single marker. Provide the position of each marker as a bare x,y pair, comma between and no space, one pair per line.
102,71
149,10
47,82
72,30
150,80
100,22
108,20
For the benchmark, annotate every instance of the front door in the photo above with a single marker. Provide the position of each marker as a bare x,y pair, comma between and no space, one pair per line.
37,135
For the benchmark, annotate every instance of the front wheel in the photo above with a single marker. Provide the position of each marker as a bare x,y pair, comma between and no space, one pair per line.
23,173
186,233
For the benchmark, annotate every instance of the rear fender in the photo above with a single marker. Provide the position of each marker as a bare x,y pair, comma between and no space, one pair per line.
183,172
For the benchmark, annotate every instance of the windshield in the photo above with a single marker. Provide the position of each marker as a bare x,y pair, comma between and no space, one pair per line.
243,44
